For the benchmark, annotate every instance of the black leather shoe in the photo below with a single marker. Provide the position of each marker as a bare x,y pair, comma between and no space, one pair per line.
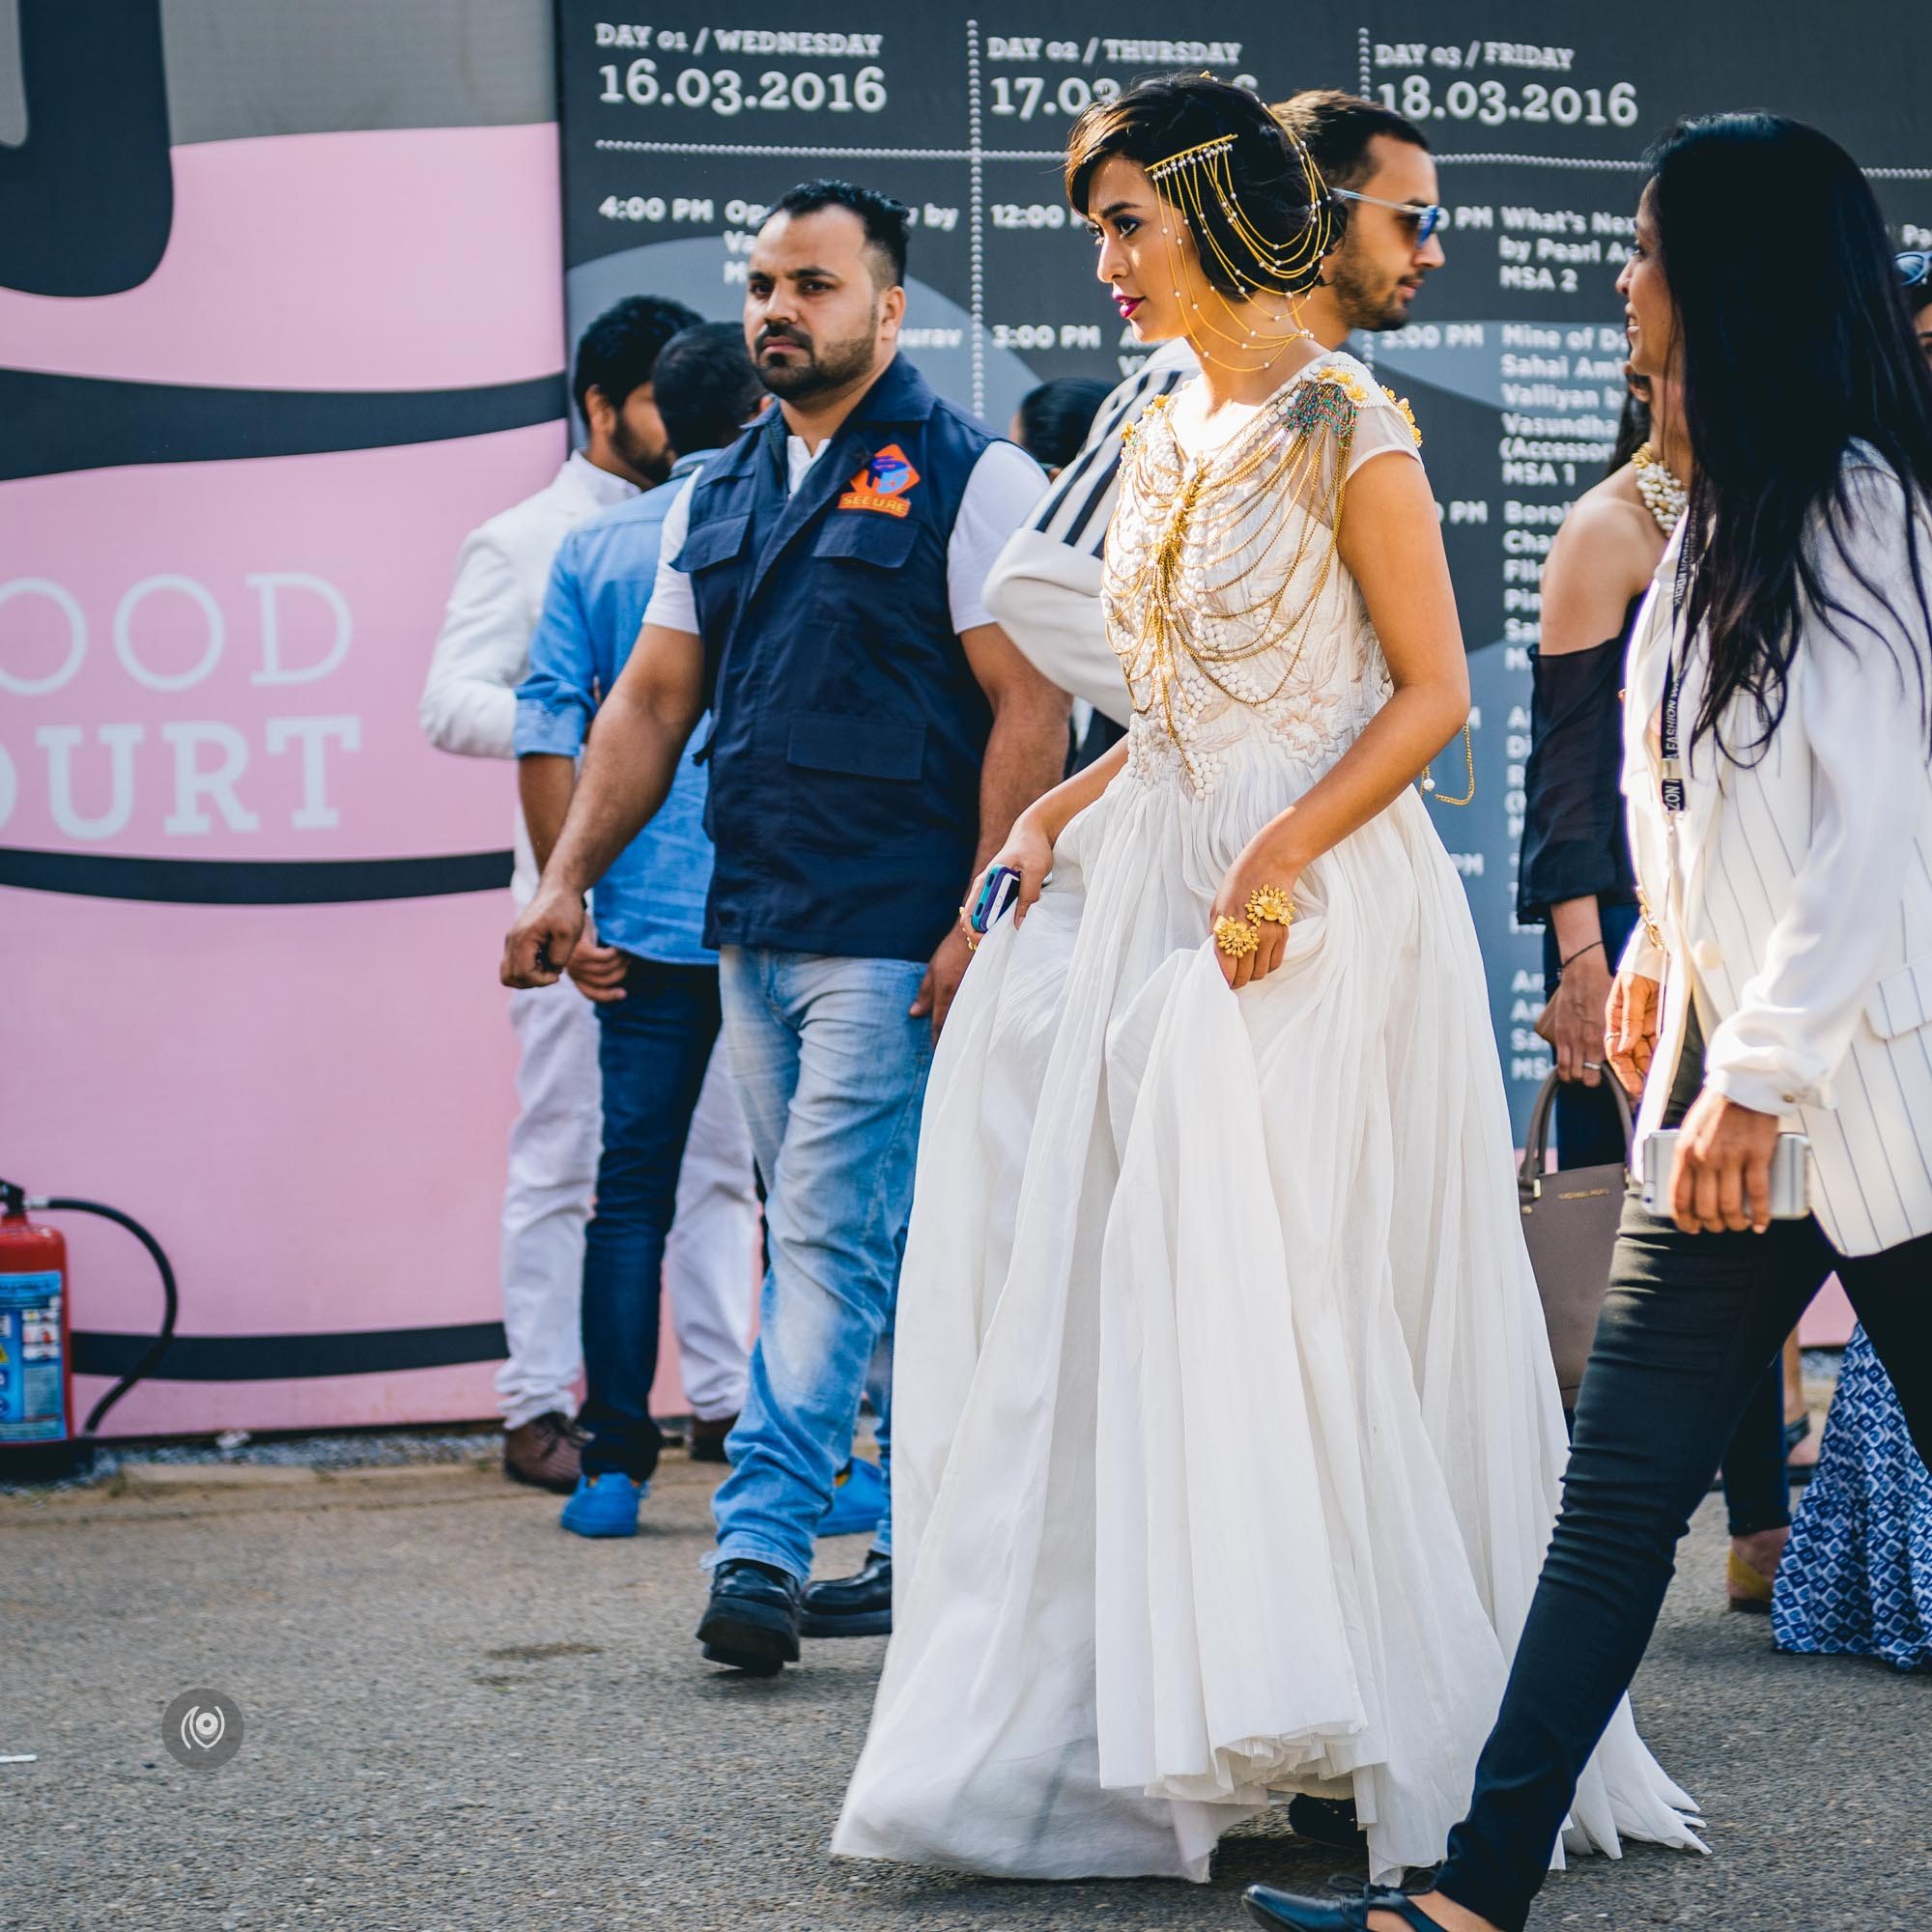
751,1621
1329,1821
705,1442
859,1605
1292,1912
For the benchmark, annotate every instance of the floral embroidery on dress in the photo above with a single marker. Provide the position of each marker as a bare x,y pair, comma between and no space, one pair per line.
1408,414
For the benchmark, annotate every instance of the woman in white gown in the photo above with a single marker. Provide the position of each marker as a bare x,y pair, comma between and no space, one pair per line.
1226,1441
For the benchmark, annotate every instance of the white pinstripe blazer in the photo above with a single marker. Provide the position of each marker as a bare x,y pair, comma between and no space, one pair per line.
1798,889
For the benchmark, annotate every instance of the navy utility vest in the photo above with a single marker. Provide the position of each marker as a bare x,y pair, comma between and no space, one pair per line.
848,729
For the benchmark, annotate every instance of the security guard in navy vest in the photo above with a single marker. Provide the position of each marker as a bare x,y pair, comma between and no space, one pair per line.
873,736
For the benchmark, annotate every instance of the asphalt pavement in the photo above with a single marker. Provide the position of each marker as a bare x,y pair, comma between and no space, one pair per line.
457,1715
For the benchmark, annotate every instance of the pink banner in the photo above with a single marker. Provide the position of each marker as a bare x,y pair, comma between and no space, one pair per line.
219,595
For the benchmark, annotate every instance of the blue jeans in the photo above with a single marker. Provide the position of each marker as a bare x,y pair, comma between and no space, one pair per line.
653,1047
830,1072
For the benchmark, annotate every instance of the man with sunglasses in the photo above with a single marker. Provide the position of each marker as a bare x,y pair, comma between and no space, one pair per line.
1915,275
1045,587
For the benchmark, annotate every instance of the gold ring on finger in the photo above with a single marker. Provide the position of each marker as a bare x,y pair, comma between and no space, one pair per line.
1270,904
1236,937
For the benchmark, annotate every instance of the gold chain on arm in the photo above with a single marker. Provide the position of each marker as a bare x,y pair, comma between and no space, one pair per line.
1470,759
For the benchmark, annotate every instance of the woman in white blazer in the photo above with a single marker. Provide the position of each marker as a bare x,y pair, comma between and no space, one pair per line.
1777,724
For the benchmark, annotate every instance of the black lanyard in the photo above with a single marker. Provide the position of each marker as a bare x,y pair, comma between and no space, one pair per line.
1671,789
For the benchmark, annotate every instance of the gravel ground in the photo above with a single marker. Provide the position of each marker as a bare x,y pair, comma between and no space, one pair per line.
457,1717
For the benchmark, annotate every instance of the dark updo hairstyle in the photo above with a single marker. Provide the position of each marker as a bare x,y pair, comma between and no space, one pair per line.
1056,417
1782,376
1157,119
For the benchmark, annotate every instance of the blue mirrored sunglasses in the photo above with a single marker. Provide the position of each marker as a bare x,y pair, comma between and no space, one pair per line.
1426,219
1914,269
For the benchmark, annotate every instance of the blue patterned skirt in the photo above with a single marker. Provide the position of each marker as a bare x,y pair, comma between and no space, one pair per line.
1856,1575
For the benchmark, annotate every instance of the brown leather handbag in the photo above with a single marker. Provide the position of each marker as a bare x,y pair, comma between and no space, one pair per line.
1569,1226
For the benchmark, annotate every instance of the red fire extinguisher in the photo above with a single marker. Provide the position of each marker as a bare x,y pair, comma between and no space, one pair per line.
38,1435
36,1363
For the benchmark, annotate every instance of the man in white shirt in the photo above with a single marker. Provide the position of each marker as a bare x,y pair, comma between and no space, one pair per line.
469,706
1046,589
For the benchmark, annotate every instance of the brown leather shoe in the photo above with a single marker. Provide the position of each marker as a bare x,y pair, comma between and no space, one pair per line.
544,1452
706,1441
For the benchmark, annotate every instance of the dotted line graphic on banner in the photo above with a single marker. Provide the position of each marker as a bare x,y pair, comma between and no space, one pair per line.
1572,161
976,220
1364,51
621,147
1624,167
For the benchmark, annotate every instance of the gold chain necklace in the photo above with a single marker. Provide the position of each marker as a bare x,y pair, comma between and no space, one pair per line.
1295,453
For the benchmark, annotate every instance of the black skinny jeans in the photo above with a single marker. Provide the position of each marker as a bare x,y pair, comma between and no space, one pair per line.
1590,1133
1689,1326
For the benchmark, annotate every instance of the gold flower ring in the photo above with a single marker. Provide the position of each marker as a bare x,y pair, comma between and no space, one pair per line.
1236,937
1270,903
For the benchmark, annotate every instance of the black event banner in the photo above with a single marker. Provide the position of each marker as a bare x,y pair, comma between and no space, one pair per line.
678,130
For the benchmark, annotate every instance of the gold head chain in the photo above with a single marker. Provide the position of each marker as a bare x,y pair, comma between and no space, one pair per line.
1266,267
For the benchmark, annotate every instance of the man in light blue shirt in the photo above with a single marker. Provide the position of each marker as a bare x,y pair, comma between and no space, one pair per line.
674,1188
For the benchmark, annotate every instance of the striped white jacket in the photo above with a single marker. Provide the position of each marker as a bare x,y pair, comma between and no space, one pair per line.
1798,889
1045,590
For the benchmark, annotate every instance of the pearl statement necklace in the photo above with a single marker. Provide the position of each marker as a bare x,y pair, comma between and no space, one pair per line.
1663,496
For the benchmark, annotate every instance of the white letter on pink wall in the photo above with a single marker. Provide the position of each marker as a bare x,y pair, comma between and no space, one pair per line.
123,641
193,784
58,741
273,670
76,629
315,813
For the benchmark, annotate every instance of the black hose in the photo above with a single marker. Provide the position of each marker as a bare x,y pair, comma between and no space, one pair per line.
16,1200
171,1299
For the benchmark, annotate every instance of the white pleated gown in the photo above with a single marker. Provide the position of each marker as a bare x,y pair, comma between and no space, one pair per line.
1225,1439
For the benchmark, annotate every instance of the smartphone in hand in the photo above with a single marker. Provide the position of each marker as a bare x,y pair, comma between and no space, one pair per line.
1790,1174
996,894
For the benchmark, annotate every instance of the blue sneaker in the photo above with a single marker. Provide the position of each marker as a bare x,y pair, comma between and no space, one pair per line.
605,1505
858,1501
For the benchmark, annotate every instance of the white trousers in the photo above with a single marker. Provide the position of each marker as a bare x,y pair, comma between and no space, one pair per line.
710,1260
547,1200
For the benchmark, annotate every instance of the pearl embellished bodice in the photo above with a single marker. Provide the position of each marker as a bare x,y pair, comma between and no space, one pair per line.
1233,615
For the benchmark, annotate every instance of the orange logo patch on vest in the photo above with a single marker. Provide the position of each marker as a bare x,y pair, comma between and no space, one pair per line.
882,484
